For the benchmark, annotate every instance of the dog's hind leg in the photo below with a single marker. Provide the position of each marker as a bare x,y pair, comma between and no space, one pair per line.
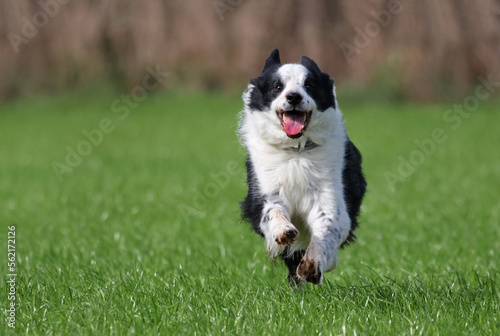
292,261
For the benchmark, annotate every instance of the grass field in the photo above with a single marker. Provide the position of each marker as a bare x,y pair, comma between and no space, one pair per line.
142,235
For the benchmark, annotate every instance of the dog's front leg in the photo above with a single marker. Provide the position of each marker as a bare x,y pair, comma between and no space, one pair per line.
327,234
278,231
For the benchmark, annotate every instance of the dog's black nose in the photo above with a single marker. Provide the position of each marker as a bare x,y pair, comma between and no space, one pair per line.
294,98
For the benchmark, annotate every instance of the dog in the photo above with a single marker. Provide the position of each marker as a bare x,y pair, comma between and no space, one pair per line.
304,175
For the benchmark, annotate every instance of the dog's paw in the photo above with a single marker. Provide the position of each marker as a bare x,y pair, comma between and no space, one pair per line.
288,236
309,271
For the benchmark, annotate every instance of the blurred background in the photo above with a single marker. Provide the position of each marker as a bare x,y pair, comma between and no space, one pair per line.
420,50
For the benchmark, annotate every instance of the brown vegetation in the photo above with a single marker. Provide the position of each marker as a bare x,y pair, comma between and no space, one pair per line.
422,48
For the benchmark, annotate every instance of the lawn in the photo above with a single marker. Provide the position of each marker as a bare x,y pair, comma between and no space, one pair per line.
141,234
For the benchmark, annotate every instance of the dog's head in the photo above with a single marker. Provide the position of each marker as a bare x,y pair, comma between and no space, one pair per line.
288,101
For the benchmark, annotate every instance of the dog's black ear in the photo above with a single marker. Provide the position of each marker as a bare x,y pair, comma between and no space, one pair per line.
273,59
310,64
314,68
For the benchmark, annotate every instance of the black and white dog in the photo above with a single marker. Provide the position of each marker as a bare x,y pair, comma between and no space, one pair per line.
305,183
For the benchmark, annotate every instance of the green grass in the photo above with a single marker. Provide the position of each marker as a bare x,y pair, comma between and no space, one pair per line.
139,237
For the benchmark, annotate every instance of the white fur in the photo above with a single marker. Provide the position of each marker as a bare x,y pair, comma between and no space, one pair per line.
302,183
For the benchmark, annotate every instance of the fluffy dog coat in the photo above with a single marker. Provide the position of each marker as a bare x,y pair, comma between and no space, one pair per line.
305,183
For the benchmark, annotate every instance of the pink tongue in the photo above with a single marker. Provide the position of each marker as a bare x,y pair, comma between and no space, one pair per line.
293,124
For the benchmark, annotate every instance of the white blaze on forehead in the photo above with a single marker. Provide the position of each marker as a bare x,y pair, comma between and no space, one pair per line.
293,75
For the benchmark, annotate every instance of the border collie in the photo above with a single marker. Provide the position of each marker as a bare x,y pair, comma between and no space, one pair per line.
305,183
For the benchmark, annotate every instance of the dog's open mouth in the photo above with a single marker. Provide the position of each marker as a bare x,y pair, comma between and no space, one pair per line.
294,122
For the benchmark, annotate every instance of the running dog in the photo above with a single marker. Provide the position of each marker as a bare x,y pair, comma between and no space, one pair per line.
305,182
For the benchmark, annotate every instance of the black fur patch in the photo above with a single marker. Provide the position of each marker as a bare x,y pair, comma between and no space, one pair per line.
264,91
253,205
292,261
354,186
318,85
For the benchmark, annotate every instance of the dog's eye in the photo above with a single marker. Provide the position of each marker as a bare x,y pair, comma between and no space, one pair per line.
308,85
278,87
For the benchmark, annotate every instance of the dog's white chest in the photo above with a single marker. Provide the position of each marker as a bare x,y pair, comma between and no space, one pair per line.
295,175
295,180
